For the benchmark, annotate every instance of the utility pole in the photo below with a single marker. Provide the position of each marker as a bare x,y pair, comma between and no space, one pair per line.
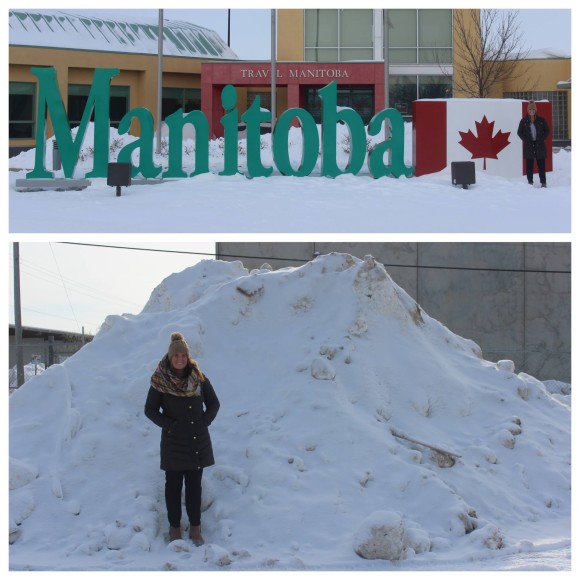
18,317
159,80
273,67
229,27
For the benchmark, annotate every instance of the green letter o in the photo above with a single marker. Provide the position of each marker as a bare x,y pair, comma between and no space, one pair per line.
310,143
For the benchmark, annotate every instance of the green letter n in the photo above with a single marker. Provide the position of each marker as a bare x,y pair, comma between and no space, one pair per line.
50,102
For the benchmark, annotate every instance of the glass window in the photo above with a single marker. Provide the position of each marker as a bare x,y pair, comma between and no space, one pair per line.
265,99
321,28
78,95
421,36
321,54
338,35
404,89
356,54
22,97
361,99
435,87
402,28
435,28
175,98
435,55
356,28
118,104
402,92
403,55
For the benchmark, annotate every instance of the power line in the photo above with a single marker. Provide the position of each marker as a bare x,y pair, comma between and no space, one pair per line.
139,249
76,287
65,288
303,261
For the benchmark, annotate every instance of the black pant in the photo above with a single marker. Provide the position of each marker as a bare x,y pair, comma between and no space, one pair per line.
173,486
541,168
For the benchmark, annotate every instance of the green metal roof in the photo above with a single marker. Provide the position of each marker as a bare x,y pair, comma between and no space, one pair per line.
60,29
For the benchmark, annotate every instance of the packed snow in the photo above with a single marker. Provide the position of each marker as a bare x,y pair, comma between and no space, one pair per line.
355,433
210,203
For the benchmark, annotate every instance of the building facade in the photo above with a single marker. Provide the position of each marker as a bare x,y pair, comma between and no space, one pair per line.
513,299
420,49
317,46
76,45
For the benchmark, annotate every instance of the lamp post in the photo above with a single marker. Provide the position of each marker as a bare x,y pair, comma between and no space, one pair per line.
159,80
386,64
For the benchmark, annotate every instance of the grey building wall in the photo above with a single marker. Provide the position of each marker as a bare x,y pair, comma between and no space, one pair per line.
513,299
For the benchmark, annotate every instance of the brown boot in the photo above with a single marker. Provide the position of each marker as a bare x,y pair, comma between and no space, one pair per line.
195,535
174,533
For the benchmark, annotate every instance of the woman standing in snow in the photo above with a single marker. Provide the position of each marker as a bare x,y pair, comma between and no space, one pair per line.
533,131
177,396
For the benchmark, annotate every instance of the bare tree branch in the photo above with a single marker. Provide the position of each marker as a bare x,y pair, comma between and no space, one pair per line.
490,50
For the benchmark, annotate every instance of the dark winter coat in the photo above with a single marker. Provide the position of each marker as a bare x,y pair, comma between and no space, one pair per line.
525,134
185,440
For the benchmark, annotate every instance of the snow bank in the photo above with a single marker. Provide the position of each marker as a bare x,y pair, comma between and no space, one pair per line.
340,396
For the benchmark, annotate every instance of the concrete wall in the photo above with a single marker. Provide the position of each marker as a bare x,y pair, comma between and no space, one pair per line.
513,299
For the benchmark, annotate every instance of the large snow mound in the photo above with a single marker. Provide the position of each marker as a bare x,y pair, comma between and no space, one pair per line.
354,430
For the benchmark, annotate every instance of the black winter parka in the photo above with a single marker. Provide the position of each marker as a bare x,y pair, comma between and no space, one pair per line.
185,440
525,134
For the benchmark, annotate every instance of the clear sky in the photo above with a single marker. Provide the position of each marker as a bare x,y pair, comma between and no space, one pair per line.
66,286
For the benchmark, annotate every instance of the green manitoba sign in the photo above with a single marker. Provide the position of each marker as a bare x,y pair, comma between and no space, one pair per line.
50,103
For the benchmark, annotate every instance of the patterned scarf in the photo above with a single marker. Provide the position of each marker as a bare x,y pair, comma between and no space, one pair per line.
165,381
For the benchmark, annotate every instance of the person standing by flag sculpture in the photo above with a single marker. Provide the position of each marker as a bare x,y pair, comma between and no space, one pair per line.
533,131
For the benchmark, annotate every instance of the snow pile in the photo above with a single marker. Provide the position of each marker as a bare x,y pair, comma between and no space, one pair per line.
355,432
117,142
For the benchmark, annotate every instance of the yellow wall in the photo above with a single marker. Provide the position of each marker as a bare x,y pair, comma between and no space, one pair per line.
467,16
536,75
139,72
290,35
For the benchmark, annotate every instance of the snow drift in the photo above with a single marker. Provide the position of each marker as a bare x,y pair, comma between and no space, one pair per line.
355,431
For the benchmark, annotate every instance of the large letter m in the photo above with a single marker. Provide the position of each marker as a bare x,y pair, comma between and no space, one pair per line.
50,103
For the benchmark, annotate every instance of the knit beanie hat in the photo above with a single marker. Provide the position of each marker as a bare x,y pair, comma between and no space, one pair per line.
177,345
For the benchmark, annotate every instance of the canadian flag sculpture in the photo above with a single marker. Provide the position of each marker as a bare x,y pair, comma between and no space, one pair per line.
481,130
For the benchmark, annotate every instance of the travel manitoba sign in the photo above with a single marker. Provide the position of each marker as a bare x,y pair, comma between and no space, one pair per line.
443,131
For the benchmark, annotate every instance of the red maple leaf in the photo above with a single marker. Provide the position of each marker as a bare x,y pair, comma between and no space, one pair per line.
486,144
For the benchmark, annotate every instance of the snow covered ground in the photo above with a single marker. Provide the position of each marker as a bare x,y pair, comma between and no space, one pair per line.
210,203
352,426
